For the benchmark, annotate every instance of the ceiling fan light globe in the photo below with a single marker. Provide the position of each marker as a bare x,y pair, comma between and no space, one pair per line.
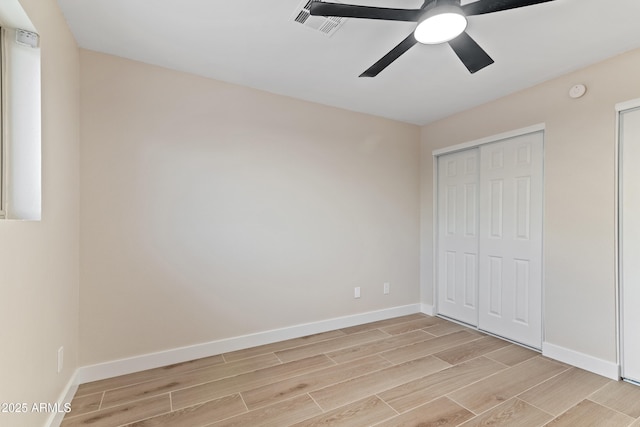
440,26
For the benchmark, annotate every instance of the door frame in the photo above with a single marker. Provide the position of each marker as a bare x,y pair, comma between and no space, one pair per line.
620,107
539,127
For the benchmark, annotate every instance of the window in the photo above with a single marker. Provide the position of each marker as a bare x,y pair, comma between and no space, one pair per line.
20,151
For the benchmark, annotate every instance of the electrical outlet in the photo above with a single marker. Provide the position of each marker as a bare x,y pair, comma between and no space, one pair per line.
356,292
385,288
60,359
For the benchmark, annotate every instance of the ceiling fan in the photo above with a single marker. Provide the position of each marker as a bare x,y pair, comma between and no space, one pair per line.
439,21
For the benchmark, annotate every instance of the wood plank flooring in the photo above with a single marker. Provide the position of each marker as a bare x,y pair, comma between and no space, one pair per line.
413,370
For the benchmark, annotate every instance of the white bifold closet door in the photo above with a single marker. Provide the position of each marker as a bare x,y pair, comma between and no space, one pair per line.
630,242
490,237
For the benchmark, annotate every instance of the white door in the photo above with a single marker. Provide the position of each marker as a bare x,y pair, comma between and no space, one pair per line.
630,241
458,236
510,256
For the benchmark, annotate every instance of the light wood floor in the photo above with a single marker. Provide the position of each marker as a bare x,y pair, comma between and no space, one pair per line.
410,371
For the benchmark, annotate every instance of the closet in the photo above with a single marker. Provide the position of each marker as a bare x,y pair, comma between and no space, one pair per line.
629,237
489,209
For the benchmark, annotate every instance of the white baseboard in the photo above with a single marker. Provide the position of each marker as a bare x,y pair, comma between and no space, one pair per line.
65,398
177,355
427,309
584,361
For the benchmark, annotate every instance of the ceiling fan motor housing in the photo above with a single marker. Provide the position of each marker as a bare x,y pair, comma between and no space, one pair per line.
441,23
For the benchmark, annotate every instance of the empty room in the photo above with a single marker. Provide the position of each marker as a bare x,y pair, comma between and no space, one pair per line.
279,213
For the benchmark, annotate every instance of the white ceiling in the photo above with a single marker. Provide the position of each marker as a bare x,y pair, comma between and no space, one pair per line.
256,43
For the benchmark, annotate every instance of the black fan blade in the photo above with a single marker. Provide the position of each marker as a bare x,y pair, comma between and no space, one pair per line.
318,8
470,53
393,54
488,6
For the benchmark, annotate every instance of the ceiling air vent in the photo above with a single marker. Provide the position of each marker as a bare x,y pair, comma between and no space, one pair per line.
326,25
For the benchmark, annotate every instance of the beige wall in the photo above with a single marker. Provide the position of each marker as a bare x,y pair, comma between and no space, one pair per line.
211,210
579,228
39,260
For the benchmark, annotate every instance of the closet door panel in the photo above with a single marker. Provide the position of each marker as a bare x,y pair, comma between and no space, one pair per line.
457,275
630,242
510,239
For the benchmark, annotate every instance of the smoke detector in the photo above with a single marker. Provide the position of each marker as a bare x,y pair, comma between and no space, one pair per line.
326,25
